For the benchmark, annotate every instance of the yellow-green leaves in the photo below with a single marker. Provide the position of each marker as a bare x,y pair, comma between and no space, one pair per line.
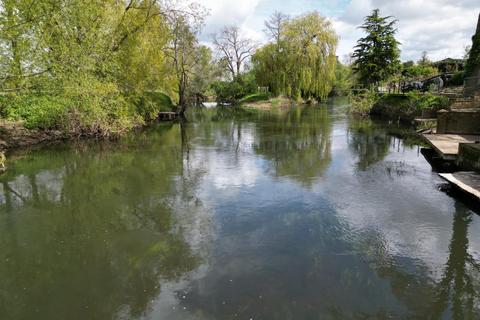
301,64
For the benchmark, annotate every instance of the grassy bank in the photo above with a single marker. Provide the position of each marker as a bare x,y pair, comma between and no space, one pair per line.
397,107
32,118
265,102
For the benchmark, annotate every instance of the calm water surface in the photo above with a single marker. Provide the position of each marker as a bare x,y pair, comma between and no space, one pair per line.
298,214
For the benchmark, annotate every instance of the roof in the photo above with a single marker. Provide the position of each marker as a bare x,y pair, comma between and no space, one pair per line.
449,60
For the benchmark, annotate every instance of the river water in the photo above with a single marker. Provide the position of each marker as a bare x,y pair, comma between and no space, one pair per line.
293,214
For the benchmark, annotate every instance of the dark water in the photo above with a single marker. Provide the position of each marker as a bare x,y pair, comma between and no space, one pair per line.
302,214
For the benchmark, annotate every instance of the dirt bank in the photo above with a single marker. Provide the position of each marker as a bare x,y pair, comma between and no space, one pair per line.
14,135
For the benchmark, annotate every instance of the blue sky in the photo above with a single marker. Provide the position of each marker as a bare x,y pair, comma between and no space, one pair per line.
441,27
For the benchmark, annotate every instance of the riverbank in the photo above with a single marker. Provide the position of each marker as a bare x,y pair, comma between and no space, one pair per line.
401,107
270,103
32,119
13,135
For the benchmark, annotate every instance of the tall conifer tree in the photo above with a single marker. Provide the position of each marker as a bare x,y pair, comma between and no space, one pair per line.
377,56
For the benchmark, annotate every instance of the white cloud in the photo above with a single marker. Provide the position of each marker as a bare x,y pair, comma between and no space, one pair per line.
441,27
223,13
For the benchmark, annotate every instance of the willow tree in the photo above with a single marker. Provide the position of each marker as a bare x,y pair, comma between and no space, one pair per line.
301,62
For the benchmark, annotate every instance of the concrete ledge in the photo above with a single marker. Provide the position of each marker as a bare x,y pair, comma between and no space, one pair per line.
447,145
468,182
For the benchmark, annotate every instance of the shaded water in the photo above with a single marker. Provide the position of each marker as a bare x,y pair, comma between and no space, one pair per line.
299,214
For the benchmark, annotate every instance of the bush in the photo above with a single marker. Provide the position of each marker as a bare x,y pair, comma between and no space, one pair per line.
37,111
418,102
150,104
362,103
457,79
409,106
233,91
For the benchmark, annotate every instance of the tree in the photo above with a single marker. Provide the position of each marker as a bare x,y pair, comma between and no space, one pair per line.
181,52
205,72
184,51
274,26
473,62
377,54
89,67
344,79
234,49
424,60
302,63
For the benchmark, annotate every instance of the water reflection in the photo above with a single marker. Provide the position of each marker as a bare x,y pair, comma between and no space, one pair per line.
291,214
458,291
297,142
368,141
91,234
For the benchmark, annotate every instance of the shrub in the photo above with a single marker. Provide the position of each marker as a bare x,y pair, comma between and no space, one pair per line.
233,91
418,102
37,111
149,104
362,103
457,79
409,106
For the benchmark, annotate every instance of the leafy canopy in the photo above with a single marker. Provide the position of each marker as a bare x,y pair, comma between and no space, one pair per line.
377,56
300,63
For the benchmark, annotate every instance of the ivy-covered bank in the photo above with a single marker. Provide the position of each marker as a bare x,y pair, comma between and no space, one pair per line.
404,107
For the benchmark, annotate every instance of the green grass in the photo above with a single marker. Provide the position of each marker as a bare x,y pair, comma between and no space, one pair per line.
255,97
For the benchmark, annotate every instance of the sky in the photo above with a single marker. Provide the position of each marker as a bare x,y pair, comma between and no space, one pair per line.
443,28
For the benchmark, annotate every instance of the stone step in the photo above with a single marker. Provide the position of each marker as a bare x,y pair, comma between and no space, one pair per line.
465,104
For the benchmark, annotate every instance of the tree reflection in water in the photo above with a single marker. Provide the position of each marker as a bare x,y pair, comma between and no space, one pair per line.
460,281
99,231
297,141
91,232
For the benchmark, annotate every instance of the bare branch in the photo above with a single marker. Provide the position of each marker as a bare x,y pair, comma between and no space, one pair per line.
234,49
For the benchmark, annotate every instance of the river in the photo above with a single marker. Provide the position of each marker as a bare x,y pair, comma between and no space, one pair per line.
288,214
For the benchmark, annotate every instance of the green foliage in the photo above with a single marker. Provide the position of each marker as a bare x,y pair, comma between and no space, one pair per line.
408,106
301,63
377,54
418,71
149,104
38,112
89,67
457,78
417,102
362,103
473,61
255,97
344,80
234,91
395,106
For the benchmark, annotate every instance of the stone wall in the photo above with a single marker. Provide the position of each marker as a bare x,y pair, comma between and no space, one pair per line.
458,122
469,156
